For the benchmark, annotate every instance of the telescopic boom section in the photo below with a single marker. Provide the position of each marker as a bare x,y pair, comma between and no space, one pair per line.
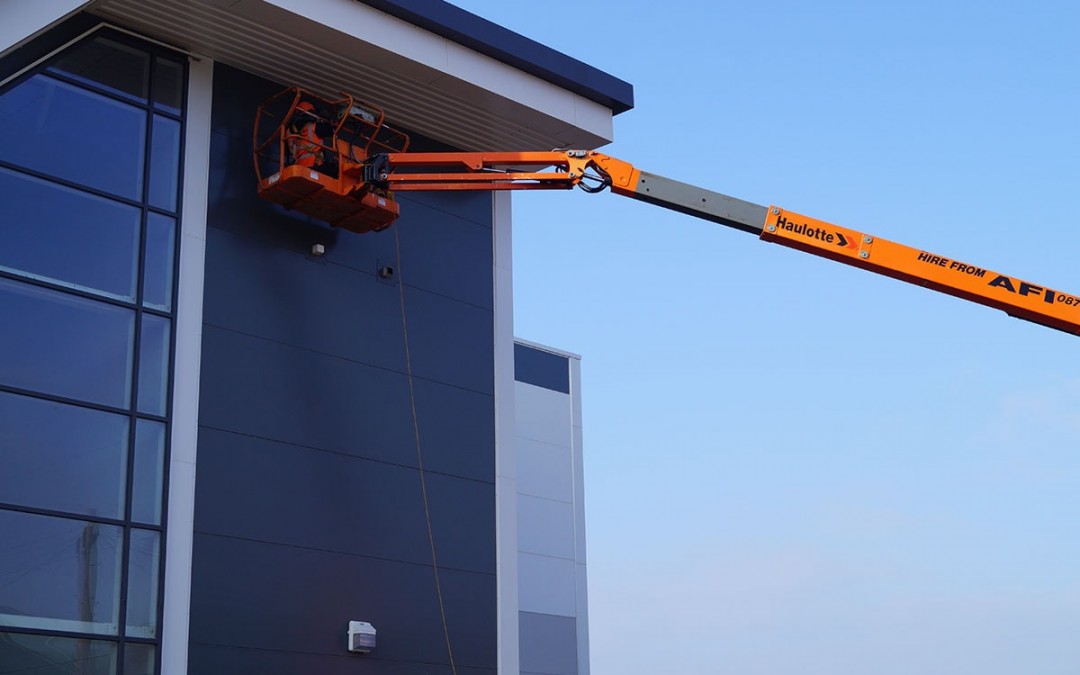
555,170
595,171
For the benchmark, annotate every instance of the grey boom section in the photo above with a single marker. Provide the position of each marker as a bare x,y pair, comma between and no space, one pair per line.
701,203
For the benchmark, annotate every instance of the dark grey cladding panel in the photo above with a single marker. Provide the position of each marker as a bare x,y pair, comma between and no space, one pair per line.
548,643
439,246
262,596
544,369
308,505
349,322
323,306
266,389
217,659
262,490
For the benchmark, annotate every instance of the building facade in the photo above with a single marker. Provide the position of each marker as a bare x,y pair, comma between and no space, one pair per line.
553,617
217,448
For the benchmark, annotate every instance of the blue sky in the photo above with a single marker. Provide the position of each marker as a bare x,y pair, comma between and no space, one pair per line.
792,465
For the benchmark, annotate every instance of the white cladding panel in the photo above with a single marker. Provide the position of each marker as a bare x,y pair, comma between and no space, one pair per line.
547,585
545,470
545,527
543,415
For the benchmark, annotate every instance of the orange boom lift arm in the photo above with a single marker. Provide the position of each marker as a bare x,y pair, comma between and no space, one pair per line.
360,198
594,171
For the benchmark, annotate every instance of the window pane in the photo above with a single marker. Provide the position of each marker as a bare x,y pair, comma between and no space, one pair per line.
164,163
153,364
158,272
59,574
47,655
61,344
111,65
148,472
142,593
62,457
68,236
168,85
139,659
71,133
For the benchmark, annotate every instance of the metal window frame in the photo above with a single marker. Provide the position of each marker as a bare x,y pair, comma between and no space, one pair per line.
156,50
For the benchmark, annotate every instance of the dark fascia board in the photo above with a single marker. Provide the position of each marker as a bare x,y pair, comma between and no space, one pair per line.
35,49
502,44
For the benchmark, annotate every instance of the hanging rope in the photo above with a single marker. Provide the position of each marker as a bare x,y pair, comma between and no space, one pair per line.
419,451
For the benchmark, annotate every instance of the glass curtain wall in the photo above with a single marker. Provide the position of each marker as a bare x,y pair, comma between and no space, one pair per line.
90,161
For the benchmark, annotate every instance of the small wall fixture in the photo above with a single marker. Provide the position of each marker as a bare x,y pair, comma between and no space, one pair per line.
361,637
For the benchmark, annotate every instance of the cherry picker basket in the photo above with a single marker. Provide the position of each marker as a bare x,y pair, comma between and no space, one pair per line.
309,153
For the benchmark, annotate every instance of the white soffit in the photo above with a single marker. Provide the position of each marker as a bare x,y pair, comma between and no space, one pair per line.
424,82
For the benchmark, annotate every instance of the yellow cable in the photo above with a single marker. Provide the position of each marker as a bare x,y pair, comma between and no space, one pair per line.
419,452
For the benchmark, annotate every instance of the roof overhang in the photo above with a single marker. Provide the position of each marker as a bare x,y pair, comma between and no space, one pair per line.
424,81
